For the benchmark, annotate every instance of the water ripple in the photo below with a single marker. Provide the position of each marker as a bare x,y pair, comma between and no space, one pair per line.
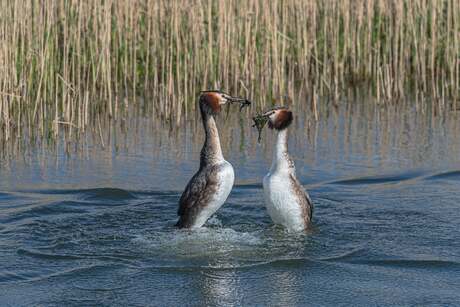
107,194
46,256
450,175
366,180
412,263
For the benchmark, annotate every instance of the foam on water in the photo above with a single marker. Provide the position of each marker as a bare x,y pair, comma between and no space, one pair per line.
198,242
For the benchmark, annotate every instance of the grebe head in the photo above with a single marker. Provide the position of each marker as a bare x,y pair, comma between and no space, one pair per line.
211,102
279,118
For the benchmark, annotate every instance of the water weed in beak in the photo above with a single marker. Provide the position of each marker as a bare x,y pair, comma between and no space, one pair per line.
259,122
245,103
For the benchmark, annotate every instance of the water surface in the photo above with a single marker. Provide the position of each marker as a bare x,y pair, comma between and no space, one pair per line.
96,227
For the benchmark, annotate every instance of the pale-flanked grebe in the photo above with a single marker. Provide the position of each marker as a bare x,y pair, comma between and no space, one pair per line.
208,189
287,203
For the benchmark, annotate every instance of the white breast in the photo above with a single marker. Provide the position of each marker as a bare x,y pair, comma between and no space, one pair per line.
281,202
226,178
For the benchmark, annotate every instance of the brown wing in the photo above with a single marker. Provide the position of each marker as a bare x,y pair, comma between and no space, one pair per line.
304,198
197,194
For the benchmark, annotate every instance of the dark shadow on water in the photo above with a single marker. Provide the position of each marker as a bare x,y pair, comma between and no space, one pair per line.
367,180
97,193
248,186
106,194
450,175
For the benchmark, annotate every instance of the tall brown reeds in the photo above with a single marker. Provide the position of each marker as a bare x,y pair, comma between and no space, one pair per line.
64,64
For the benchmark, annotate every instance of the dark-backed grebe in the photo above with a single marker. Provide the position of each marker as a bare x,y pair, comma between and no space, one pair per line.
287,202
208,189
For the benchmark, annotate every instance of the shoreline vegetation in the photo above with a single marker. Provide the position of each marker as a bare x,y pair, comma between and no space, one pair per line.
67,65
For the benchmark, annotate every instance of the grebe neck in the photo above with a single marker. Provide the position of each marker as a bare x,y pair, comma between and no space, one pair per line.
281,161
211,152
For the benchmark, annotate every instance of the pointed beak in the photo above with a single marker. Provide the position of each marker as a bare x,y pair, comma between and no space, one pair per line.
242,101
266,114
262,116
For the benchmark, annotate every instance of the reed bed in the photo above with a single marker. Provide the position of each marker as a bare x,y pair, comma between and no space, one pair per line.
68,64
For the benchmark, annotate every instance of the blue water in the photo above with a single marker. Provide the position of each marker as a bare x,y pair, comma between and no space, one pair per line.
93,225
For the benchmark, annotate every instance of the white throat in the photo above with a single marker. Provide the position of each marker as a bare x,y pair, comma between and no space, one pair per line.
281,162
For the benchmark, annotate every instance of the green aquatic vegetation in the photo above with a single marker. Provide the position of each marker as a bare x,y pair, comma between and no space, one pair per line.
259,122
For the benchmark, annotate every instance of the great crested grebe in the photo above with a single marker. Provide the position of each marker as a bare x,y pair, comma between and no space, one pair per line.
288,204
208,189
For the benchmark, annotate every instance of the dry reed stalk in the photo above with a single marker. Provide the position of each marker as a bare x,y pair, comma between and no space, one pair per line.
70,61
